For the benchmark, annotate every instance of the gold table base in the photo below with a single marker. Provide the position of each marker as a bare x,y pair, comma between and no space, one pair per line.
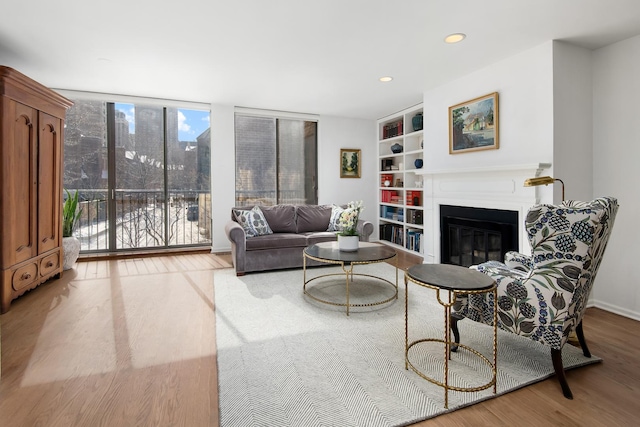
452,295
347,268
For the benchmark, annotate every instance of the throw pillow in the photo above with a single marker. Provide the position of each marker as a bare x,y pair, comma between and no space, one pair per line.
253,222
334,220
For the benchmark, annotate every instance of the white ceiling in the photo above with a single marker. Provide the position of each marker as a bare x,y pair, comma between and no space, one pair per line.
319,57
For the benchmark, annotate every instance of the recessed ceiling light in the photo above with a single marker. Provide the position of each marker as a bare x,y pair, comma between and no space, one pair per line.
386,79
454,38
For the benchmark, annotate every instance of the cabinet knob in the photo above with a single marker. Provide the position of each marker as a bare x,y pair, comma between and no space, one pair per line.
50,264
26,276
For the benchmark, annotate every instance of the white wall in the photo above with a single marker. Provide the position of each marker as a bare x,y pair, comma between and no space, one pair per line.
575,109
572,129
524,85
616,171
334,133
223,175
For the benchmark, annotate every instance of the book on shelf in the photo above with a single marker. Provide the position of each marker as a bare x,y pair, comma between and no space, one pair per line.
388,196
391,130
392,233
414,240
414,216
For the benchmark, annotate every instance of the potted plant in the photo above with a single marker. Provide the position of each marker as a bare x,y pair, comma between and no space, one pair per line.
70,216
348,237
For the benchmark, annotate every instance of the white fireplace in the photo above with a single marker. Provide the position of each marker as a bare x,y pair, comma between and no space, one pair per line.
483,187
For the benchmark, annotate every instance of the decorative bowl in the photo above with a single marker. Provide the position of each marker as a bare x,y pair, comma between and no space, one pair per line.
396,148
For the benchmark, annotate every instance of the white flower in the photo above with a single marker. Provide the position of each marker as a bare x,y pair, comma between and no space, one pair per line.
348,221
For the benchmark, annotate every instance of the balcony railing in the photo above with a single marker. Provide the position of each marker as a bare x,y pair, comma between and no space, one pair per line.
144,219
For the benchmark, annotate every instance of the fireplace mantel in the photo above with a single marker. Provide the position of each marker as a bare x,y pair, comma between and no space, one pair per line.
534,168
492,187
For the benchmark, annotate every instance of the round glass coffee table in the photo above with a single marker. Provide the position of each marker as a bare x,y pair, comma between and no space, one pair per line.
451,280
367,253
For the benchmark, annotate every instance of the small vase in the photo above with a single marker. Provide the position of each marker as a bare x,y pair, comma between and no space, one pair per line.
416,121
396,148
348,243
418,163
70,252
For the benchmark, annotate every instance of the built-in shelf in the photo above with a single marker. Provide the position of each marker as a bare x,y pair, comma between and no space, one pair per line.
400,192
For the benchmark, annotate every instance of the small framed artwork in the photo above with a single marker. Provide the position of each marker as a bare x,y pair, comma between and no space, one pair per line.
473,125
349,163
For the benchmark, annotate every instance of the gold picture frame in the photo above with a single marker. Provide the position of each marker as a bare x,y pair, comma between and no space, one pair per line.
473,125
350,161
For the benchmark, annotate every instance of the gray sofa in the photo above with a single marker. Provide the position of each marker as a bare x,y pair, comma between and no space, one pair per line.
294,228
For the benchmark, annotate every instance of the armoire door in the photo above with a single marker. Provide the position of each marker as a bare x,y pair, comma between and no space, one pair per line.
19,183
49,184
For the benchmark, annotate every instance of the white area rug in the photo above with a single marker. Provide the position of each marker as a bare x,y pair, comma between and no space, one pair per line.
286,360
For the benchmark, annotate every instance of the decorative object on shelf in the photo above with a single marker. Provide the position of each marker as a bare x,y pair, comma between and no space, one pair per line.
399,183
385,179
70,217
473,125
416,121
421,142
418,163
396,148
543,180
350,163
348,224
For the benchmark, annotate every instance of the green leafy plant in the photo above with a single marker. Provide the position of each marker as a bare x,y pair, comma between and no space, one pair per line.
70,214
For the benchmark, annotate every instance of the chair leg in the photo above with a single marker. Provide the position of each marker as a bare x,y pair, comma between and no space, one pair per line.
453,320
556,357
581,340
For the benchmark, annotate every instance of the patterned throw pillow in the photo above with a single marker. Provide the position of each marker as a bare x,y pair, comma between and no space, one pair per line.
334,220
253,222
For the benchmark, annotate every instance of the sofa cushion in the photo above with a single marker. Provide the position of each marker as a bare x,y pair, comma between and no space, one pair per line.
320,236
312,217
253,222
277,241
281,218
336,211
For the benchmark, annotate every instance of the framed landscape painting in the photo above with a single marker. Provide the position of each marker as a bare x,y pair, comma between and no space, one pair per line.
349,163
473,125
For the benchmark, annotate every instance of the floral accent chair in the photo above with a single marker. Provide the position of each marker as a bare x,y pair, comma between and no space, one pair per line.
543,296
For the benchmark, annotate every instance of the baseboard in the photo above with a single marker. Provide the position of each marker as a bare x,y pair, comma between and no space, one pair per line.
614,309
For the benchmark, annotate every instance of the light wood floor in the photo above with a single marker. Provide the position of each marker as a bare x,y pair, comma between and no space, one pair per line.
131,342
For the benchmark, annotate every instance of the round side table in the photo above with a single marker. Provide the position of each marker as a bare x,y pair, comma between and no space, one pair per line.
452,280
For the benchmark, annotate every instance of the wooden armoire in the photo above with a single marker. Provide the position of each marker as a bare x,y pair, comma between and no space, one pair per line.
31,143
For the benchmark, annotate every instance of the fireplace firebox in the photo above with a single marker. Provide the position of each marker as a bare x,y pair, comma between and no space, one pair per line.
471,236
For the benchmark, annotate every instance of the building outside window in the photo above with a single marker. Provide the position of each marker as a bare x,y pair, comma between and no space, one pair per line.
142,172
276,160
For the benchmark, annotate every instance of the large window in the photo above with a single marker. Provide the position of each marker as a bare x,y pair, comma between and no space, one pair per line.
276,160
142,172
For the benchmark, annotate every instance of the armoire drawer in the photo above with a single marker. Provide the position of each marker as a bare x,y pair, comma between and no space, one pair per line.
49,264
24,276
